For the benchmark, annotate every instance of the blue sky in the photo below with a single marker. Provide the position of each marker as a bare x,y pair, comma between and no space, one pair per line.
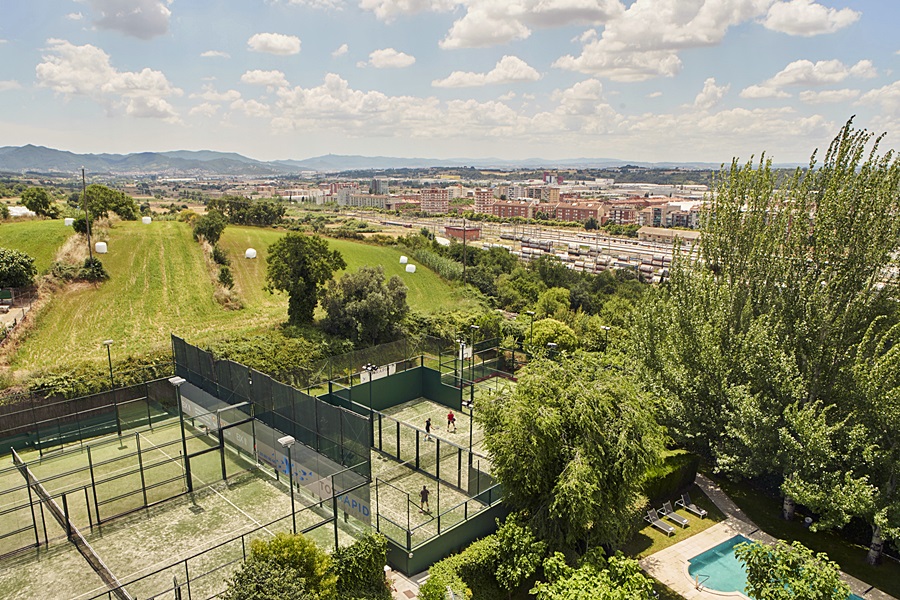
643,80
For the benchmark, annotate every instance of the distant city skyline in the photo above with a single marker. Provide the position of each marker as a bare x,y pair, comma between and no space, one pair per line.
642,80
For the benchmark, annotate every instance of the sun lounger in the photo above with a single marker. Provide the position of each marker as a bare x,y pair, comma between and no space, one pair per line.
654,520
689,506
671,515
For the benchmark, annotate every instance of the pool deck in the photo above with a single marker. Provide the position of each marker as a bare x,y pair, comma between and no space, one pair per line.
670,566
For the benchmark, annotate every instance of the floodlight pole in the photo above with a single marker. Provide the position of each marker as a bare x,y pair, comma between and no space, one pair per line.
605,329
288,441
462,361
473,329
177,382
108,343
370,368
551,347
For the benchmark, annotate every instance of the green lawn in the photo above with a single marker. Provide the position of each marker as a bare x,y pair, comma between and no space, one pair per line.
427,291
159,285
766,513
38,239
650,540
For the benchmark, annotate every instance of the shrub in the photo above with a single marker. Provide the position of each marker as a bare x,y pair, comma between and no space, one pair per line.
80,225
676,473
443,266
93,270
226,278
16,268
220,257
360,569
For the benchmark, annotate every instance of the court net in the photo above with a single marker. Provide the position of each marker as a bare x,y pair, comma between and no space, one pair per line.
72,532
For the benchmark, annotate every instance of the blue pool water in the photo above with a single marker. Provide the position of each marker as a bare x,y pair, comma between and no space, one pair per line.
724,571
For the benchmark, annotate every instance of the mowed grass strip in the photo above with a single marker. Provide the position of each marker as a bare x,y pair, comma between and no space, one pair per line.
38,239
159,285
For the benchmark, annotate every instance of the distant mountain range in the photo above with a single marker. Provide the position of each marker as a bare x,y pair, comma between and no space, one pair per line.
205,163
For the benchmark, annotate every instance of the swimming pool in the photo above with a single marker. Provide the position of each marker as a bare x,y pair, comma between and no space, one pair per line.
719,569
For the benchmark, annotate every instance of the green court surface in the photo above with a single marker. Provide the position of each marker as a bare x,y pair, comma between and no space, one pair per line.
55,572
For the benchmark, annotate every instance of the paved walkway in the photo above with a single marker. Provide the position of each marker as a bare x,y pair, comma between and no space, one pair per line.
670,565
406,588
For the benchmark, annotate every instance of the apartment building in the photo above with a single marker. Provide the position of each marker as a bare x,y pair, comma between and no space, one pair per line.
435,200
484,199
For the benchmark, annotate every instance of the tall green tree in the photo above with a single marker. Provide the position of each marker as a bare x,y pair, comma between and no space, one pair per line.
572,445
790,572
365,308
756,335
210,226
103,200
877,375
299,265
37,200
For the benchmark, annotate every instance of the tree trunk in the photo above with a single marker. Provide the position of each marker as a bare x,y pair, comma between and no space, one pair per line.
787,508
875,547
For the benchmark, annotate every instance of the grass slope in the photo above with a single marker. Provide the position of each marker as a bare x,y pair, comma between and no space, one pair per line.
159,285
38,239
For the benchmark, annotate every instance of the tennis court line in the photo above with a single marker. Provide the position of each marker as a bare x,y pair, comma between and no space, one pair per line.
236,507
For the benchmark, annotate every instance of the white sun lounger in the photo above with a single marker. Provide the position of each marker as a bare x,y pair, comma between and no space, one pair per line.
671,515
689,506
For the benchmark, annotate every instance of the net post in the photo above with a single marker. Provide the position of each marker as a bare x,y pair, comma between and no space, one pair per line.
137,441
37,539
93,486
68,520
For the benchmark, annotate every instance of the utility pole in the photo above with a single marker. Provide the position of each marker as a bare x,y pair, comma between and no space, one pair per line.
87,214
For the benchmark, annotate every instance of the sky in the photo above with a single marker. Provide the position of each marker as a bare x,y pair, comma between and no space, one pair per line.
640,80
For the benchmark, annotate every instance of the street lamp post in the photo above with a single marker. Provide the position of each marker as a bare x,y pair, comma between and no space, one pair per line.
288,441
551,349
605,329
462,361
177,382
530,313
108,343
473,329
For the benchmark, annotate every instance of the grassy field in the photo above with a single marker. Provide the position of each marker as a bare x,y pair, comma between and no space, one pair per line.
427,291
39,239
159,285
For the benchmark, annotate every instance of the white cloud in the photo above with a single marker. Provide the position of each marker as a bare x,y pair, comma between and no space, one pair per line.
270,79
86,71
711,94
388,58
342,50
762,91
215,54
808,73
75,16
507,96
9,84
323,4
654,94
251,108
274,43
643,41
829,96
807,18
210,94
888,97
206,109
143,19
480,28
509,69
388,10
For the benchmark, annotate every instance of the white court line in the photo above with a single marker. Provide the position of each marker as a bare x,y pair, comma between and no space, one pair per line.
212,488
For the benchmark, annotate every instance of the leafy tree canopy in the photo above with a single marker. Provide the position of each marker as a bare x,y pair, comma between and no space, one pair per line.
37,199
365,308
210,226
299,265
790,572
572,445
103,200
596,578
